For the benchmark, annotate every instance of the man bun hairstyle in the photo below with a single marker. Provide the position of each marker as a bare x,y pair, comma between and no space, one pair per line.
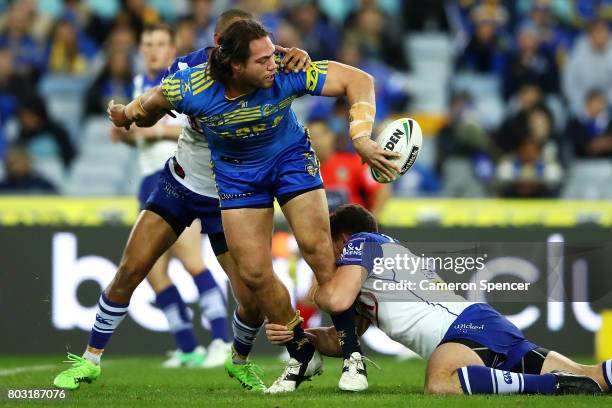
234,46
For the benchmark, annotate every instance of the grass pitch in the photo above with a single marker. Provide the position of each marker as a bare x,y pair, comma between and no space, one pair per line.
140,381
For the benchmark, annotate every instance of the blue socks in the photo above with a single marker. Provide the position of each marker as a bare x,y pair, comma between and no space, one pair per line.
108,317
212,304
485,380
179,320
244,335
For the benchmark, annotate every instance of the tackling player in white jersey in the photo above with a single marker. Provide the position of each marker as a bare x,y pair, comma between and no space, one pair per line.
155,146
470,347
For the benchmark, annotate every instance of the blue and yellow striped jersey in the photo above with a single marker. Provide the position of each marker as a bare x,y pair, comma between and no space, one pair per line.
251,128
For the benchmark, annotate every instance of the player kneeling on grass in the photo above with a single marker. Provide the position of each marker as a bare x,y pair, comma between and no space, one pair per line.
470,347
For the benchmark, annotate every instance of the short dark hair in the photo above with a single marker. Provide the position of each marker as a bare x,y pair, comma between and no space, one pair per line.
149,28
594,93
225,19
234,46
351,219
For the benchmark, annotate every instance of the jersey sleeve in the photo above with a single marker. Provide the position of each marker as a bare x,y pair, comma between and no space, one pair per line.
184,88
310,81
361,250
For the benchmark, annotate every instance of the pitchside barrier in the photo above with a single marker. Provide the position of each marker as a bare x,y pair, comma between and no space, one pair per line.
56,254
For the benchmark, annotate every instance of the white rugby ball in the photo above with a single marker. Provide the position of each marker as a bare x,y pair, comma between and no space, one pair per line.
405,137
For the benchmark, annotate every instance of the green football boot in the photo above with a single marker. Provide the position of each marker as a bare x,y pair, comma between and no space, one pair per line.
82,370
248,374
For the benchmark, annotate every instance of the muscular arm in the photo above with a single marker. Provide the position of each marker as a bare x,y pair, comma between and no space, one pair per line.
344,80
358,87
145,110
338,294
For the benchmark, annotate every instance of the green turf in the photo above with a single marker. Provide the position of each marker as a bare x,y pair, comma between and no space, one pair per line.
142,382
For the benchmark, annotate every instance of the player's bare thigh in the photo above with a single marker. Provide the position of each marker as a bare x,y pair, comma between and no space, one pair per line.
188,248
558,362
308,217
441,376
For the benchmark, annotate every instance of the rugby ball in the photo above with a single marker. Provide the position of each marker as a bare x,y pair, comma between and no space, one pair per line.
405,137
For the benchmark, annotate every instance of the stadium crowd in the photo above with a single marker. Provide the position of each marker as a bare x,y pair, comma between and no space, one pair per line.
513,96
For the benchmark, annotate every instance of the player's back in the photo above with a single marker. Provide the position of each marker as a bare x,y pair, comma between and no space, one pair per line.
391,295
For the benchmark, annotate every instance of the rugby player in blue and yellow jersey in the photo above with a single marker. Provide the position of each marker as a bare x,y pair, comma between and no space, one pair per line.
176,200
241,104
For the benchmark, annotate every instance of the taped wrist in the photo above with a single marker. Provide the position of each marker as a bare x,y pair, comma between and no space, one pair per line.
361,119
134,110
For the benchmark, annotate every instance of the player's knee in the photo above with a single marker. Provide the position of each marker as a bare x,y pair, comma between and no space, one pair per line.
130,273
253,278
439,384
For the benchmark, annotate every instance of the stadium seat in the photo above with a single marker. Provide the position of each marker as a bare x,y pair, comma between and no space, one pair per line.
598,172
459,180
50,168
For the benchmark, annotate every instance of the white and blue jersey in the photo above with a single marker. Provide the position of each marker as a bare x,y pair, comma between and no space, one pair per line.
259,149
152,154
418,318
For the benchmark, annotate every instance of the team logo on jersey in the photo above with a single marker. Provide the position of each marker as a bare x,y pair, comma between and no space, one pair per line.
353,249
312,165
243,104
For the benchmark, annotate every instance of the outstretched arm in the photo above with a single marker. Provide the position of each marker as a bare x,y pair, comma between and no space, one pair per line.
358,87
145,110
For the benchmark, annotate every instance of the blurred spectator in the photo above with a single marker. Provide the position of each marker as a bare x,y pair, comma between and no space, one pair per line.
345,178
17,38
463,136
34,122
92,29
485,50
115,82
204,22
186,37
589,67
508,136
20,177
377,37
591,131
65,52
554,38
136,14
529,64
425,15
13,85
529,173
319,38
